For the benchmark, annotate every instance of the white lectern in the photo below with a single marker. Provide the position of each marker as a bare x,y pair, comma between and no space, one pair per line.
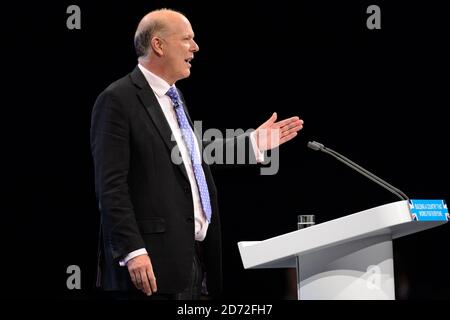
346,258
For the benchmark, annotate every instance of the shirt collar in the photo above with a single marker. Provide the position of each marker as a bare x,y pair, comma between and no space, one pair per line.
158,85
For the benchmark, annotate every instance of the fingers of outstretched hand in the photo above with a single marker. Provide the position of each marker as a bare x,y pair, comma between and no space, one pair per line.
287,130
288,137
286,121
294,121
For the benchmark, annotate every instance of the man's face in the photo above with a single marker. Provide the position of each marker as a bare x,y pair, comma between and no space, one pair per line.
179,49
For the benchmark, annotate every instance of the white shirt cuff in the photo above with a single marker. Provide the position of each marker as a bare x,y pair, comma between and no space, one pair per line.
258,154
131,255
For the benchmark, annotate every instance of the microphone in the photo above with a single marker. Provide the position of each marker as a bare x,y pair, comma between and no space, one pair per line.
316,146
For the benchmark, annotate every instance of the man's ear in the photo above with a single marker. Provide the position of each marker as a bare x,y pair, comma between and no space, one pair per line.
157,46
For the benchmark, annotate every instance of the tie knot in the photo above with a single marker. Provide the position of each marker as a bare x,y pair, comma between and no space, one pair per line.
172,93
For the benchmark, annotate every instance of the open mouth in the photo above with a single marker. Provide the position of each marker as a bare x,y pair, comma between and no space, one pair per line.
188,60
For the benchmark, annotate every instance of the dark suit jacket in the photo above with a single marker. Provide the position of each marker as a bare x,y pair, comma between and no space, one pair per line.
145,200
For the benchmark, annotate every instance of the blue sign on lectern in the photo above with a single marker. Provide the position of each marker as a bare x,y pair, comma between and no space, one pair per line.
429,210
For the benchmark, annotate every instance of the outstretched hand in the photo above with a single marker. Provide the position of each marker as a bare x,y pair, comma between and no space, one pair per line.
272,134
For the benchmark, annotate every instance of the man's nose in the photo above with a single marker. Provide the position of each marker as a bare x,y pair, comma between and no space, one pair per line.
195,46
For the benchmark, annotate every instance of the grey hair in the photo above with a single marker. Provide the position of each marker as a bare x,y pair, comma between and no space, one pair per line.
145,33
143,37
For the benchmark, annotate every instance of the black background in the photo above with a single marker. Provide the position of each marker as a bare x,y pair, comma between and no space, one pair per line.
377,96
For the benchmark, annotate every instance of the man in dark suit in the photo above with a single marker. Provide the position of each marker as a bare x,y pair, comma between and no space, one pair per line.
160,226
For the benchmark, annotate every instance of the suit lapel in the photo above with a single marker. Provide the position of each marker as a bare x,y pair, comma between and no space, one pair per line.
148,99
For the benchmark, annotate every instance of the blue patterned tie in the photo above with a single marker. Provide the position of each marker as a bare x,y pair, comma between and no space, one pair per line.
188,137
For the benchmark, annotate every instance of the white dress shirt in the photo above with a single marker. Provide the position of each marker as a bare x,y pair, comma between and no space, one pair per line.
160,87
